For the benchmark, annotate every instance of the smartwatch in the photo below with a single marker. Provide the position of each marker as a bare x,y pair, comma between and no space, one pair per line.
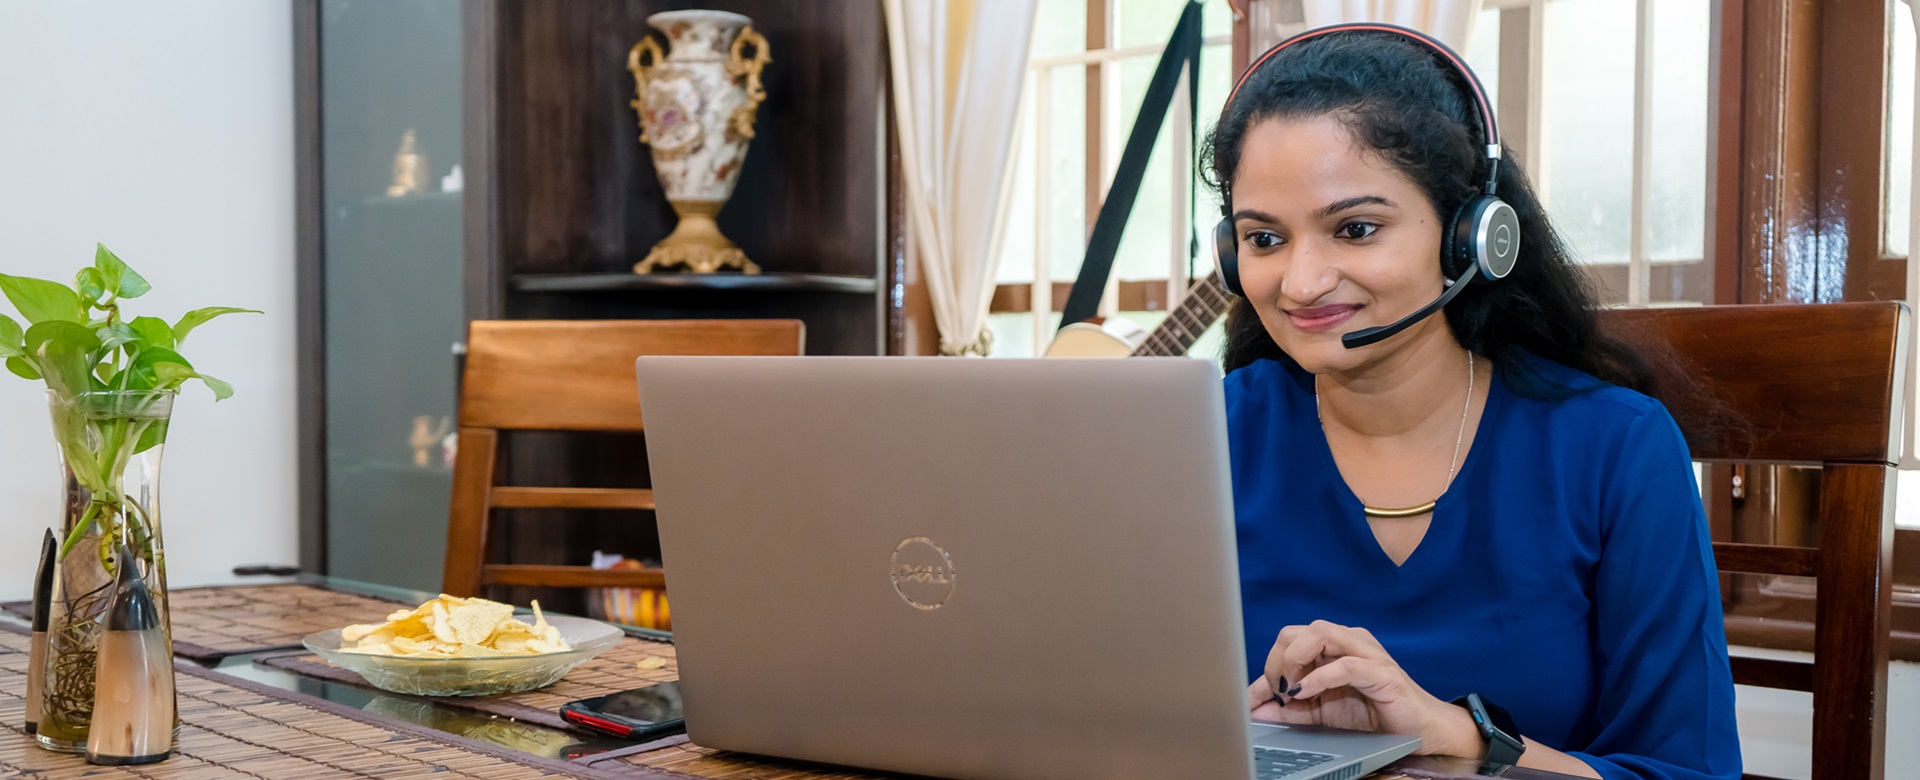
1504,745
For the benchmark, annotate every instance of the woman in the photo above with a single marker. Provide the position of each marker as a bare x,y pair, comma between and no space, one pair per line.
1563,570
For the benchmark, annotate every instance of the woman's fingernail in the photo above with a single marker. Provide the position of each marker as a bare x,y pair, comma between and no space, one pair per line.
1280,684
1293,692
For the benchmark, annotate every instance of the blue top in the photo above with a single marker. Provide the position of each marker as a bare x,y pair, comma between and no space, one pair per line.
1567,575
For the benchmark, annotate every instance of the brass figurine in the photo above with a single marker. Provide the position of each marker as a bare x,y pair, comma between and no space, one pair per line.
409,169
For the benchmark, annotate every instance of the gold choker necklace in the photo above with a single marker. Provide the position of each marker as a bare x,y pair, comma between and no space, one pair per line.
1453,467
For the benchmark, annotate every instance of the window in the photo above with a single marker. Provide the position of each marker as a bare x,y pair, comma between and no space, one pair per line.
1113,46
1608,113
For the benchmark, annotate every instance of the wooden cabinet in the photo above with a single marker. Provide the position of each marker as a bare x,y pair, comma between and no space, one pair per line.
555,201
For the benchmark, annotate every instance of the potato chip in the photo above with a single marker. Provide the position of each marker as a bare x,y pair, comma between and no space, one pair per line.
450,627
650,663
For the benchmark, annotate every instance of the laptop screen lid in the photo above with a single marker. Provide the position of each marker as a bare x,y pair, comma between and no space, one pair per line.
969,568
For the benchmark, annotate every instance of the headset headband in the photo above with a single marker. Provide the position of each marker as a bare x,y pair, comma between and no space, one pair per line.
1477,93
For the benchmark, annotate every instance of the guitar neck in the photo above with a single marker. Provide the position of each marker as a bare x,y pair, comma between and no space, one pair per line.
1204,303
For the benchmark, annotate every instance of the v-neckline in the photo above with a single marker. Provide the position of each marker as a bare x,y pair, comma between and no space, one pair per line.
1443,519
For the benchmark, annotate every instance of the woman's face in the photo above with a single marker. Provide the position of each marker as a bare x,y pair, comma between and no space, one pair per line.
1332,239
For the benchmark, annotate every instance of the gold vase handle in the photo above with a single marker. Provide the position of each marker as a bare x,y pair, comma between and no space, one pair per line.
642,59
739,64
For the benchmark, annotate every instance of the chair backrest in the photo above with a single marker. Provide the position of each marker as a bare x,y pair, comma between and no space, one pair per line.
569,375
1820,385
577,375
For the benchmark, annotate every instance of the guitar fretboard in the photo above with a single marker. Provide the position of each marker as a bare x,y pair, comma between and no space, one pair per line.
1205,302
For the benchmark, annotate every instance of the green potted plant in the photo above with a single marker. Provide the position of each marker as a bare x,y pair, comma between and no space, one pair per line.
111,381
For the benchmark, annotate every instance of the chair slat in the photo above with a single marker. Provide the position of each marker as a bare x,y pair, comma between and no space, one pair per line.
578,375
1766,559
1770,673
572,576
571,498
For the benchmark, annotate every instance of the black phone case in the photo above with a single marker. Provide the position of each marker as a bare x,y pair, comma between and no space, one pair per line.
586,714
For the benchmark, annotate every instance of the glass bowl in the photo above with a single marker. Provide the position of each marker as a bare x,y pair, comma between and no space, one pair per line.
472,676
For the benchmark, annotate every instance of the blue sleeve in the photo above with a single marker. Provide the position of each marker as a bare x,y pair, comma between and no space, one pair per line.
1665,706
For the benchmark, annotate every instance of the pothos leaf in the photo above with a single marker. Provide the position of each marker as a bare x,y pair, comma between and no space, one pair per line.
221,390
42,301
114,335
155,434
11,337
119,278
198,317
153,368
64,353
154,332
23,369
92,286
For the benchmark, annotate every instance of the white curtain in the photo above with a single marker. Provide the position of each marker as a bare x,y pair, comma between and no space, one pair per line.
1910,458
1449,20
958,67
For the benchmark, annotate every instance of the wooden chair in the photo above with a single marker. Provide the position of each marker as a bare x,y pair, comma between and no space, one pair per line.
1820,385
533,375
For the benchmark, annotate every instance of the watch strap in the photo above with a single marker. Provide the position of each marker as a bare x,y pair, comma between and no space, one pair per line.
1504,745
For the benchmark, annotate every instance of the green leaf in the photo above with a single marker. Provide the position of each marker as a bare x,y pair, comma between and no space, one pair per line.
105,372
198,317
154,332
112,336
154,435
23,369
11,337
92,286
221,390
172,374
155,368
63,352
118,277
42,301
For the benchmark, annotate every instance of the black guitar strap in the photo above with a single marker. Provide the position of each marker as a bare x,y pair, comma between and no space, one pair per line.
1183,49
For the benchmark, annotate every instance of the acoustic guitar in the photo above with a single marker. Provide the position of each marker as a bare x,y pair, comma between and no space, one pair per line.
1205,302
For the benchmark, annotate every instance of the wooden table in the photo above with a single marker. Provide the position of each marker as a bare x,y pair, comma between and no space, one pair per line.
310,708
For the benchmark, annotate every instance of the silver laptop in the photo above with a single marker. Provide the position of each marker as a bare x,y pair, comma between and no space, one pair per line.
963,568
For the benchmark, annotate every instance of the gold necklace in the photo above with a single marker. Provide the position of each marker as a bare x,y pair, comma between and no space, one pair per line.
1453,466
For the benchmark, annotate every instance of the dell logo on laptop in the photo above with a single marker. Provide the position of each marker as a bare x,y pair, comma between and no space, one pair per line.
922,573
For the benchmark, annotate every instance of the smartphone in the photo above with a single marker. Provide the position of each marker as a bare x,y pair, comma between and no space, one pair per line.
640,714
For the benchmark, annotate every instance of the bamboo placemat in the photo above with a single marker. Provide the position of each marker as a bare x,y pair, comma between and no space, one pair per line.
681,757
215,622
623,667
233,728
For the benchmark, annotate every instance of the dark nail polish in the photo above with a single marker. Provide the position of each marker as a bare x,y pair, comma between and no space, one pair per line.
1280,684
1294,691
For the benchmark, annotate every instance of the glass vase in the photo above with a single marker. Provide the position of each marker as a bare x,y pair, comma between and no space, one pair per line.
110,448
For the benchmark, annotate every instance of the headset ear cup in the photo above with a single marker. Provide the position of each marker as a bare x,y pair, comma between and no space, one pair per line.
1455,241
1226,256
1485,233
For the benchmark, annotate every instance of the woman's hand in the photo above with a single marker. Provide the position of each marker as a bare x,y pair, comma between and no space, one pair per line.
1331,675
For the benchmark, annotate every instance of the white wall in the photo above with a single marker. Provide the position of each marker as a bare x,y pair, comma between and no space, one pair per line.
164,130
1777,726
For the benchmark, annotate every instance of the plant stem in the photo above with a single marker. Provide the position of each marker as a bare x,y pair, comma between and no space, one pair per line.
79,530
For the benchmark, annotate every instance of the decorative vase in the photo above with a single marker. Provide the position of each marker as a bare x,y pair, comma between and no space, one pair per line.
110,448
697,104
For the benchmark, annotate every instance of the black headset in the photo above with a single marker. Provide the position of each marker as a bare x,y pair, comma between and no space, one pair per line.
1480,244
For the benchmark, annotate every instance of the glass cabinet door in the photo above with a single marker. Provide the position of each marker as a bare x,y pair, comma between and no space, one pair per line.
390,119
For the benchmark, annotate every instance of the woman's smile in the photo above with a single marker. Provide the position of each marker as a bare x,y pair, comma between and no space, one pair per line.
1320,319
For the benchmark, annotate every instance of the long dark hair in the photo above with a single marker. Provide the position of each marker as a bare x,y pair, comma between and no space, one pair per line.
1406,106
